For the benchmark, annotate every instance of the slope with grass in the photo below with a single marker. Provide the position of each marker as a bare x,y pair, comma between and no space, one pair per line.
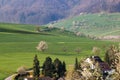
18,46
101,24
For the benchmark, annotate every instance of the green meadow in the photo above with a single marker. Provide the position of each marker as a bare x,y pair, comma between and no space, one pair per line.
18,46
99,24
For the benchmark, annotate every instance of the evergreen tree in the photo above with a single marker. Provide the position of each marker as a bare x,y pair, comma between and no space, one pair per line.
63,68
107,57
36,67
76,64
56,67
48,67
59,68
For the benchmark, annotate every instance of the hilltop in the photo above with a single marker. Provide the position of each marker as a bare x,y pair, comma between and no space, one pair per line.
45,11
98,25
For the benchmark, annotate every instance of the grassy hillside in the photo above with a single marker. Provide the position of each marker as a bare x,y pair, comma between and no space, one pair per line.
18,46
101,24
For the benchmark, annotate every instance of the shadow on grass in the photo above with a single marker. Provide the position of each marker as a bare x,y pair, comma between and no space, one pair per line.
21,31
62,54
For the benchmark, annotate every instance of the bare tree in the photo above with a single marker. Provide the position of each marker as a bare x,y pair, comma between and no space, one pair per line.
37,29
64,49
42,46
96,50
62,29
78,34
51,26
78,50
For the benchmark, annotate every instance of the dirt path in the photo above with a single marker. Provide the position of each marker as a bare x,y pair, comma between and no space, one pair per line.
10,77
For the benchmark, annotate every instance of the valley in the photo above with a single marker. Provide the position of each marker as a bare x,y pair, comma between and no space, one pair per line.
18,44
60,39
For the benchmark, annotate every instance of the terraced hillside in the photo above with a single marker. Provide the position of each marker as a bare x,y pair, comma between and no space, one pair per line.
102,24
18,46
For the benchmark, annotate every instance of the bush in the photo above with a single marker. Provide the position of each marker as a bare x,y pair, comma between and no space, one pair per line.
21,70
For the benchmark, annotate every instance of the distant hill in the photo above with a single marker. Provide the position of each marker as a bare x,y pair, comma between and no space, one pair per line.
100,25
45,11
96,6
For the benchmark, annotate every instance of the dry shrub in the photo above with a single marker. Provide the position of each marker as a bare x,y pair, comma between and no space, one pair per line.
21,70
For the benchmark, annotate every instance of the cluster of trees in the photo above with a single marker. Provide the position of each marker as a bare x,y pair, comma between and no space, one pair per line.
54,69
83,70
51,69
94,68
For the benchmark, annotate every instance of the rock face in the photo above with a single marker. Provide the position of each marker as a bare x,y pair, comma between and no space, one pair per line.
44,11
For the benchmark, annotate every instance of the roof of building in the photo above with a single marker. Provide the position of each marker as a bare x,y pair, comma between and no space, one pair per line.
98,59
104,66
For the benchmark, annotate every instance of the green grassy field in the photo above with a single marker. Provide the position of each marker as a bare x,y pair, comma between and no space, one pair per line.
93,24
18,47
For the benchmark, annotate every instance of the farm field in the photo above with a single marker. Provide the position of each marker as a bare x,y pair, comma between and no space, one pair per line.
18,46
